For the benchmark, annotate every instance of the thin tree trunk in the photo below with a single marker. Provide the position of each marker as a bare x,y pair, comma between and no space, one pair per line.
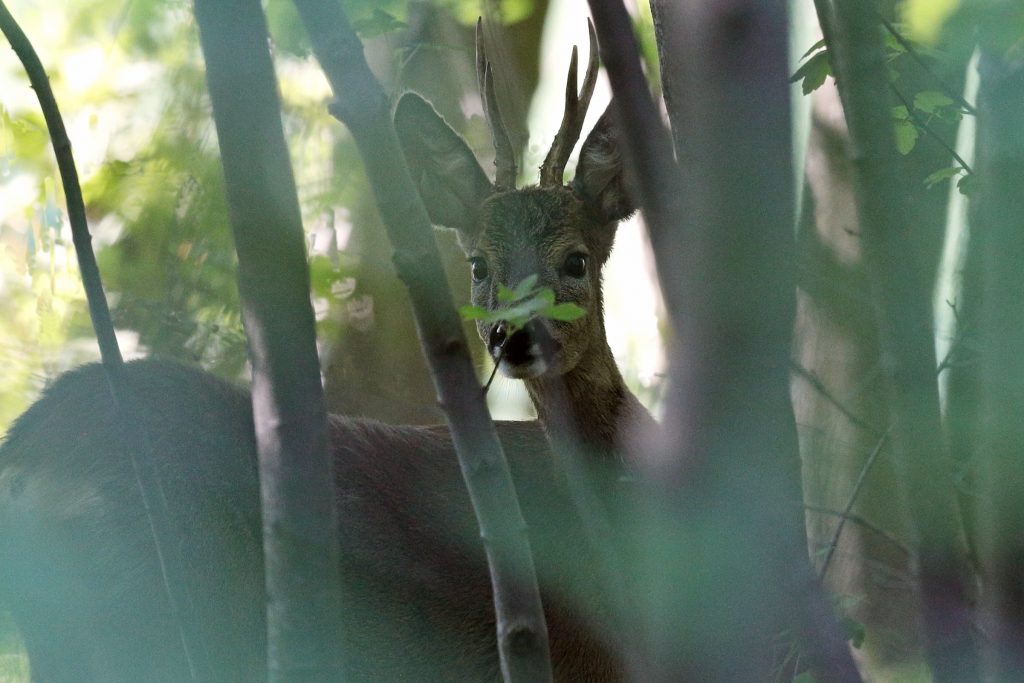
725,254
999,227
362,106
162,522
904,321
300,525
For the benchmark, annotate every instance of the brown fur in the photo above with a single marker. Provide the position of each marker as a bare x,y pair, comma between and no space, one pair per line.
79,573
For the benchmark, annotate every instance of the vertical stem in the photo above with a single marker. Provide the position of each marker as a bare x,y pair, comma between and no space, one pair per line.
999,230
163,527
727,475
300,526
361,104
904,320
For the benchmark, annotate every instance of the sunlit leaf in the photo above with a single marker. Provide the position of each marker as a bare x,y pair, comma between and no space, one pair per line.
377,23
566,312
524,288
470,312
941,175
906,136
929,101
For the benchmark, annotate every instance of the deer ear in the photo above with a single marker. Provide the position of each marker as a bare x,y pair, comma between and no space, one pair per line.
600,180
449,179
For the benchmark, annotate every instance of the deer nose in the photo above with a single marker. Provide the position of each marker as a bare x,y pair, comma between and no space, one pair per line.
498,336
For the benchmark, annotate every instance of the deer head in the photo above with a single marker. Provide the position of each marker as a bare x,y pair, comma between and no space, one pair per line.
561,233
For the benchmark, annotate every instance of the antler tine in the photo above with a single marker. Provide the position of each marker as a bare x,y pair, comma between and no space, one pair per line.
504,157
481,59
576,105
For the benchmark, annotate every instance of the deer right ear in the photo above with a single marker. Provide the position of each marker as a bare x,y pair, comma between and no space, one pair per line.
600,174
447,175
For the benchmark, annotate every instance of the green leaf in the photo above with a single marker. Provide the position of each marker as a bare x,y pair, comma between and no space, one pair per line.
505,295
566,312
813,72
805,677
929,101
894,46
469,312
941,175
906,136
817,46
526,287
378,23
967,185
854,631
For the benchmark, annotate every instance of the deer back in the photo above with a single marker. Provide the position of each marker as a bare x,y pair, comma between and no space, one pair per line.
79,571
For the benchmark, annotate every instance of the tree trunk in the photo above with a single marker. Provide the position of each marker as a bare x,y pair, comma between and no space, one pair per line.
300,526
361,104
903,319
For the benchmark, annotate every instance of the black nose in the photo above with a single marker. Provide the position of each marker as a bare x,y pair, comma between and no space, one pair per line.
498,336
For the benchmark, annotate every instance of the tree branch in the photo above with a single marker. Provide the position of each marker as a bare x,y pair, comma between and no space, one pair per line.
834,543
162,522
912,51
923,125
904,320
361,104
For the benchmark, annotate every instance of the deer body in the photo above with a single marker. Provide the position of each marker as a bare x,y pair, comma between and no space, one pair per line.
79,573
77,566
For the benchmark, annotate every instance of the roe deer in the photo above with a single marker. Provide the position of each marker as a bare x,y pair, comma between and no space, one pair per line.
77,568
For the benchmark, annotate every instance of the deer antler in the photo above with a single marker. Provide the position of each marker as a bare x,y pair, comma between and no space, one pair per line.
576,105
504,158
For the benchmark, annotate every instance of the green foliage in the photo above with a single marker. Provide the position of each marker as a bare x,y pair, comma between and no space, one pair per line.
522,304
815,69
377,23
905,129
508,11
942,175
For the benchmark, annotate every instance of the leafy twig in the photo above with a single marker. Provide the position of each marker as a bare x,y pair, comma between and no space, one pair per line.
923,125
912,51
522,304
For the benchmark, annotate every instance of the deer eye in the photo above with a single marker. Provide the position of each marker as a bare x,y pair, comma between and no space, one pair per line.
575,265
478,267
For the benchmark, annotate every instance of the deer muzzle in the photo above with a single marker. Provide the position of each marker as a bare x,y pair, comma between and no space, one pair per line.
527,352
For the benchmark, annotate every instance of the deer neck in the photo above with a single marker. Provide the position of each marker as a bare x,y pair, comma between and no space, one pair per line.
591,402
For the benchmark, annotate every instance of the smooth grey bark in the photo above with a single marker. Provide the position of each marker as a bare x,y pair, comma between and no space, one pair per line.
361,105
908,356
723,243
300,525
998,231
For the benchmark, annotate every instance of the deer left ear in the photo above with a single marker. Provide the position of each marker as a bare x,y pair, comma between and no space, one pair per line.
600,180
447,175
